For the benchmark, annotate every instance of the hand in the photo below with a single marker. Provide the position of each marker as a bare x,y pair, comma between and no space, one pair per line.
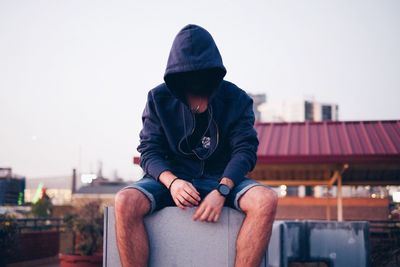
211,207
184,194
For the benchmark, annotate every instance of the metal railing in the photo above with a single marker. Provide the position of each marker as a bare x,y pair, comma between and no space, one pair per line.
37,224
385,242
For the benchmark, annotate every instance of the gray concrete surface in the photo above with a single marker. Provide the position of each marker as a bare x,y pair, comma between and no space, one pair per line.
176,240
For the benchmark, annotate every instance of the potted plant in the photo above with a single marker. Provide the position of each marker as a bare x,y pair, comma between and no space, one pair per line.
86,225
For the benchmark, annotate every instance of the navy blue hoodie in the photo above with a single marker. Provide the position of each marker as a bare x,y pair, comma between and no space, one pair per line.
168,121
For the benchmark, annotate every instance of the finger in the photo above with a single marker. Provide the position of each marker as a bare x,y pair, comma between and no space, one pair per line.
179,204
189,197
216,217
184,202
194,189
192,193
205,214
211,216
198,212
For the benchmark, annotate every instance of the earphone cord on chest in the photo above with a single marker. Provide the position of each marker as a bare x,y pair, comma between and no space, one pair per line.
184,127
205,132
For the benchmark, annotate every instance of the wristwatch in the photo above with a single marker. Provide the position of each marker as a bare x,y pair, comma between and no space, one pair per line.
223,189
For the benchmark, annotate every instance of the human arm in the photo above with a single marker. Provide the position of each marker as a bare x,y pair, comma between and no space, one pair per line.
153,150
153,144
243,142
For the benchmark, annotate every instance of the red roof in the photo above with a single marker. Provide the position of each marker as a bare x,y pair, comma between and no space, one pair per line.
329,142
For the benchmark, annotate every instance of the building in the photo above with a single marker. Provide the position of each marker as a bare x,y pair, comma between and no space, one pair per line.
58,188
11,188
100,188
360,157
258,100
298,110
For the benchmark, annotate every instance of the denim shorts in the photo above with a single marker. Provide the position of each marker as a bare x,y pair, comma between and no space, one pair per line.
160,196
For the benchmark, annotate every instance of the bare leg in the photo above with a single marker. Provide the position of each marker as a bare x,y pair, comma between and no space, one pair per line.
259,203
131,206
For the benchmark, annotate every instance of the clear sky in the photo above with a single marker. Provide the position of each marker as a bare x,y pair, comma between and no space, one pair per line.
74,74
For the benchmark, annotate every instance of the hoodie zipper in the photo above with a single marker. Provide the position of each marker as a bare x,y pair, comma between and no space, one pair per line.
216,126
202,168
185,136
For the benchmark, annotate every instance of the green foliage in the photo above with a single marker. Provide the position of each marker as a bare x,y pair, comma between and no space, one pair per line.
87,224
43,208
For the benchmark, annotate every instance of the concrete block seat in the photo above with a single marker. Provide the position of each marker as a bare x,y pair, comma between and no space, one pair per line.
338,244
176,240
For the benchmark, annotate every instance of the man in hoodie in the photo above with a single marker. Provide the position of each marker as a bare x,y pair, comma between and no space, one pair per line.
197,144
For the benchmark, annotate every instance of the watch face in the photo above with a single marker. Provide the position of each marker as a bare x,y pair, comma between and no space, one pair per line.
224,189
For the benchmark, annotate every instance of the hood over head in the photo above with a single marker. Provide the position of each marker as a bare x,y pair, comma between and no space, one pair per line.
194,64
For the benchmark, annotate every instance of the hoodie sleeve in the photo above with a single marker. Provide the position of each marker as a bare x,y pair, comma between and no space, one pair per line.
152,147
244,144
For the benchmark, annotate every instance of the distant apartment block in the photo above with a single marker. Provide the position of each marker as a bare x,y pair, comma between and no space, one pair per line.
258,100
11,188
298,110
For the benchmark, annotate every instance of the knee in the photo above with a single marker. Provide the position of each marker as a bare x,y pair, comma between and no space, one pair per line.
263,202
131,203
268,200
